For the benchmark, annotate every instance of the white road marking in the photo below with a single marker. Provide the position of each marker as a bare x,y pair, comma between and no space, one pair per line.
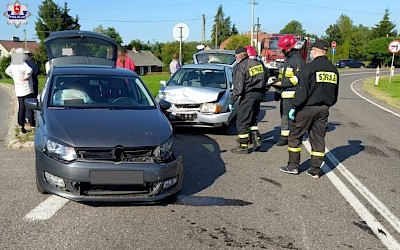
46,209
368,100
380,231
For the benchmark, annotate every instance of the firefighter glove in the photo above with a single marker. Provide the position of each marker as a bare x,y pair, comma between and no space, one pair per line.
292,113
231,108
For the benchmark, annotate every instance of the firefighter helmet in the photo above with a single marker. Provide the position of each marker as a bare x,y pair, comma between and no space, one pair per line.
287,42
251,52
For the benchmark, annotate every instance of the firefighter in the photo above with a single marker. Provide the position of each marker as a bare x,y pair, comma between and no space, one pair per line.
249,82
317,90
288,81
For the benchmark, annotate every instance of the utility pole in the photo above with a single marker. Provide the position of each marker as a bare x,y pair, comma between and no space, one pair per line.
203,33
25,43
257,30
216,33
252,21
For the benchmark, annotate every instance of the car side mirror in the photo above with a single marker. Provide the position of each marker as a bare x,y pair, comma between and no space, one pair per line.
164,105
32,103
164,83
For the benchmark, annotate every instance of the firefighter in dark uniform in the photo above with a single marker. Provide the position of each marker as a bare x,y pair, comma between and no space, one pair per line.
317,90
249,82
287,84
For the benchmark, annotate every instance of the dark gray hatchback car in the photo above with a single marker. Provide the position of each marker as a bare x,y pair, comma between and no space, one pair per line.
101,136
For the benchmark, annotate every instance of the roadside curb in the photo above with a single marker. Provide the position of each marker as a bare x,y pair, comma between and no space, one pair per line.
11,140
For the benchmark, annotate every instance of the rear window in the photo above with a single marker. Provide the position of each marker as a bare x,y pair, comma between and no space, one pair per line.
92,91
190,77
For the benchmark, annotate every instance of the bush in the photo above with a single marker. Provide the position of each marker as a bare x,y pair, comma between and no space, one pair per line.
4,62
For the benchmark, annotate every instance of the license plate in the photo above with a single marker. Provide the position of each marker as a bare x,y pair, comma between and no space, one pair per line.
116,177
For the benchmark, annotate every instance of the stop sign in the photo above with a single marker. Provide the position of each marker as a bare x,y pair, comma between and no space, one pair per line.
333,44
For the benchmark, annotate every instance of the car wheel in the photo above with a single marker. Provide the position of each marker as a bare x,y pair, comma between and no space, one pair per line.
171,199
39,187
362,66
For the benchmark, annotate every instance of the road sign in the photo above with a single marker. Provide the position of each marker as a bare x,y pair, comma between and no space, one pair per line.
333,44
394,46
180,32
333,51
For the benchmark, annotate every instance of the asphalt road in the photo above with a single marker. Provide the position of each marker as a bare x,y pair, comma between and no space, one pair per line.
232,201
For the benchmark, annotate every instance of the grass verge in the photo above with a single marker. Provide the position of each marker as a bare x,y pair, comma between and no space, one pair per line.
386,92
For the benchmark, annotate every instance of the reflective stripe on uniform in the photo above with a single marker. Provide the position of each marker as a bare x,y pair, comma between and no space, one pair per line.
288,94
285,132
289,72
252,128
294,80
243,136
320,154
294,150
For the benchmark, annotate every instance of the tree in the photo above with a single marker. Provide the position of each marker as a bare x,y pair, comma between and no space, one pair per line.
222,27
139,45
385,27
234,30
236,41
333,34
110,31
345,25
293,27
51,17
376,51
188,49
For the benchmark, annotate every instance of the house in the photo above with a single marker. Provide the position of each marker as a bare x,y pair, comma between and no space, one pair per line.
6,46
145,61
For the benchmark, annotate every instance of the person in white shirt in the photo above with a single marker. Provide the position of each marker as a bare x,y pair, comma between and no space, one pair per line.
174,65
23,85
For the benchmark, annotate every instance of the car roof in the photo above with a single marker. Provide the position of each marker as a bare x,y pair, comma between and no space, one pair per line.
93,70
206,66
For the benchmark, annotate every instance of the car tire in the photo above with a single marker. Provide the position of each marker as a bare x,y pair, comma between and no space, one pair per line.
39,187
171,198
362,66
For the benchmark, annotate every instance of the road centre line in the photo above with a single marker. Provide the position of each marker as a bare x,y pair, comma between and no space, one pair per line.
368,100
387,239
46,209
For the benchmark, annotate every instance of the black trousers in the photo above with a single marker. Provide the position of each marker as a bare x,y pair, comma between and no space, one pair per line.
247,112
285,106
24,112
311,119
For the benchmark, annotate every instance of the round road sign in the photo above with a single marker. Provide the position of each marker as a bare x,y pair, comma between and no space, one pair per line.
333,44
394,46
180,32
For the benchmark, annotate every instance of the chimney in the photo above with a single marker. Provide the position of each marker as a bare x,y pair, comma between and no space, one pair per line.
15,39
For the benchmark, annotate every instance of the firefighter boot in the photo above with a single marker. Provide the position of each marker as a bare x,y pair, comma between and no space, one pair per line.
283,140
255,139
242,147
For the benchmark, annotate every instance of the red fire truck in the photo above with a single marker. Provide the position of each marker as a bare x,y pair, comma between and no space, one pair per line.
272,55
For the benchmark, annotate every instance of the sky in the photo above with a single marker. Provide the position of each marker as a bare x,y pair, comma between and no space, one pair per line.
154,21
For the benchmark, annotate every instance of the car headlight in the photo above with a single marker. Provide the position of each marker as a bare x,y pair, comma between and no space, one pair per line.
59,151
164,151
161,95
211,108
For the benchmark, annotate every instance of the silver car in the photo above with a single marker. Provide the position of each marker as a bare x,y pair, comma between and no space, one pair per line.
199,95
101,136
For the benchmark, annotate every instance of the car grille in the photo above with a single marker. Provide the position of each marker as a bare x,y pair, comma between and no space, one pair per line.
117,154
187,106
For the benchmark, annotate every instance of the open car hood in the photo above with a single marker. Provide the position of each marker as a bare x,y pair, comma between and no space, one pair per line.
191,95
80,47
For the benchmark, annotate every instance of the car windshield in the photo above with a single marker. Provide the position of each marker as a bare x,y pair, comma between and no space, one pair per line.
190,77
220,58
93,91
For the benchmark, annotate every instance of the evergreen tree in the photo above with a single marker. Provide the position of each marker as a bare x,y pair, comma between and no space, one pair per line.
385,28
234,30
222,27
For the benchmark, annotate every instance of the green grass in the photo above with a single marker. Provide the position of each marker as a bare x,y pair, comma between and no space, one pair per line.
153,82
385,91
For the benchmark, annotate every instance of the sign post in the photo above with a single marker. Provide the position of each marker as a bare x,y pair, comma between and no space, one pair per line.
180,33
333,46
394,48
